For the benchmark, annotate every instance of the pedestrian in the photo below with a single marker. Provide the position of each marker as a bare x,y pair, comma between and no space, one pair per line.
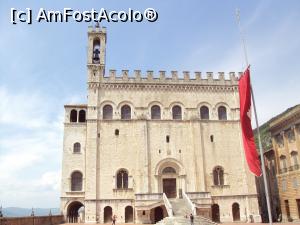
114,218
192,219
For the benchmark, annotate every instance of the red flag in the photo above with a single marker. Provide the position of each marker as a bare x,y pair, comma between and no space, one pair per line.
245,117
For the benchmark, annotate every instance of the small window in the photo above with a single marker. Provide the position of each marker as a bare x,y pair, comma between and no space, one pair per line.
144,212
73,116
211,138
117,132
204,113
107,112
177,112
167,138
125,112
155,112
76,147
222,113
218,176
82,118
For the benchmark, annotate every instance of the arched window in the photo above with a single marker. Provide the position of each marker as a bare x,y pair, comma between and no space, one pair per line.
222,113
76,181
218,175
283,165
73,116
107,112
122,179
155,112
168,170
125,112
82,116
204,113
294,156
176,112
76,147
96,51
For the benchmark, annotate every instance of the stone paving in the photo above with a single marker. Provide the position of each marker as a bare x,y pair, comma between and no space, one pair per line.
236,223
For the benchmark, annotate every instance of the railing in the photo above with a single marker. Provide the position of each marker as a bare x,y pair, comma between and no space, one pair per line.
168,205
189,203
148,197
198,195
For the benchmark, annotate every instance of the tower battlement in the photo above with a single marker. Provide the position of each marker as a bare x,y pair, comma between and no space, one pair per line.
96,29
172,77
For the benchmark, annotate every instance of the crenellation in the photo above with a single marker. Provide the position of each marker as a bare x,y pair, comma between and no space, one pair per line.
150,75
186,75
162,75
112,75
210,76
96,29
221,76
125,75
137,75
198,75
174,75
232,76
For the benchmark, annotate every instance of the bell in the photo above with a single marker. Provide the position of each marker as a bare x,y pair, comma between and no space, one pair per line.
96,55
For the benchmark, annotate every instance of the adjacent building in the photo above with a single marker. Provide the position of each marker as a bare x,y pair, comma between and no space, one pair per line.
285,133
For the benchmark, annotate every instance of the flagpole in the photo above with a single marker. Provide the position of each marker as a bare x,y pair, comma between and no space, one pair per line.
257,125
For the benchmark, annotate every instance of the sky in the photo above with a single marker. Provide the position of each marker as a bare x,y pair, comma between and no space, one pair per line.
43,67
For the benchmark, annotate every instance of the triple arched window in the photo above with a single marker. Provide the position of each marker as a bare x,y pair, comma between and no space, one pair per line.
218,176
122,179
76,181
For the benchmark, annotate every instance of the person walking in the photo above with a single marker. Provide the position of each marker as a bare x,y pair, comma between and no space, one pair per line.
114,218
192,219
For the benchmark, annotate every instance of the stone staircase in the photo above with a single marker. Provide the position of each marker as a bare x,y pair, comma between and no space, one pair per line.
180,211
179,207
176,220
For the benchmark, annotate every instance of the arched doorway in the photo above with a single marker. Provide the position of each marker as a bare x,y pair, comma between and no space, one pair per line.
72,212
158,214
107,214
236,212
215,211
129,214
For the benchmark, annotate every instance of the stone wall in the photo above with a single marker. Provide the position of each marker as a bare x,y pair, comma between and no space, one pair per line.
32,220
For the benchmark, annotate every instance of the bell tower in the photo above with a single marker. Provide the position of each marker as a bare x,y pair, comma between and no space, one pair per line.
96,53
95,72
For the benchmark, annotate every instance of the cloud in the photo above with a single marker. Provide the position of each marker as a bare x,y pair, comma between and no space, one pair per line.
31,138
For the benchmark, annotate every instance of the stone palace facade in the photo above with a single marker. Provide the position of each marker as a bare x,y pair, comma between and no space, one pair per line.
145,140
